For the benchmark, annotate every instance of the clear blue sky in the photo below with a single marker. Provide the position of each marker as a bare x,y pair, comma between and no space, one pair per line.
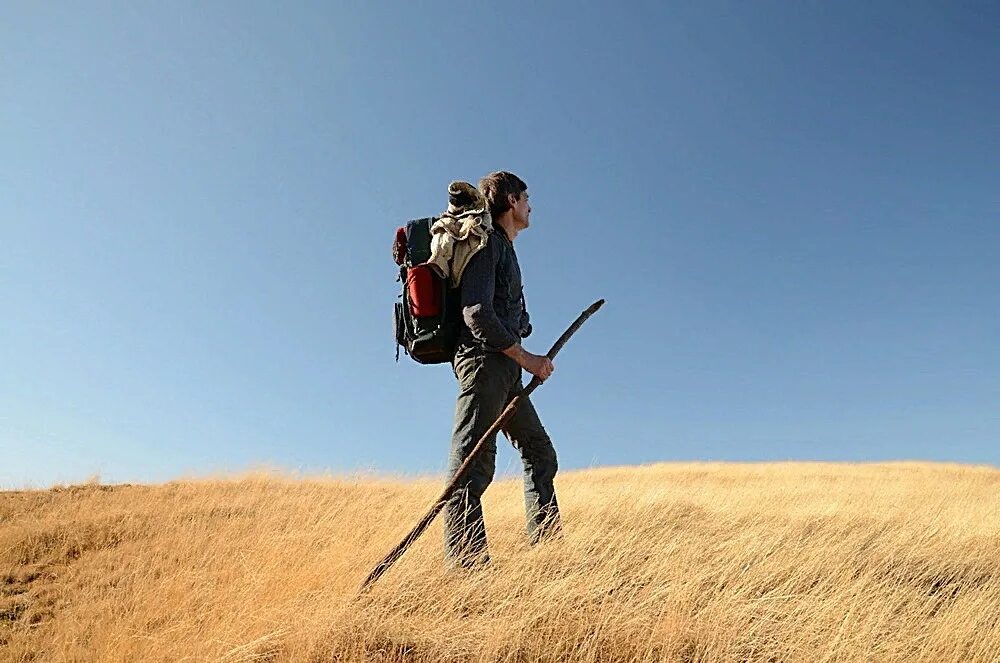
792,209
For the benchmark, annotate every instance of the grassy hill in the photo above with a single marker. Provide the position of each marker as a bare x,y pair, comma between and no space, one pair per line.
679,562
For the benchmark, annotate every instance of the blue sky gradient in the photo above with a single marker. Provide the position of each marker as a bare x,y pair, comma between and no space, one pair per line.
792,209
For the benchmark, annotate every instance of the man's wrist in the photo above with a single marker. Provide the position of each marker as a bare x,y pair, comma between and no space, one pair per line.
515,352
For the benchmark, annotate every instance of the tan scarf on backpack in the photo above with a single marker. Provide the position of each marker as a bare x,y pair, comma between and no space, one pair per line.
460,232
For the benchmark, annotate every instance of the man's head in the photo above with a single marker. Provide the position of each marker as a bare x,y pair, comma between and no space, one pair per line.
507,196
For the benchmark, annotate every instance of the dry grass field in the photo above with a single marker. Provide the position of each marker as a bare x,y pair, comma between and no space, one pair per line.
679,562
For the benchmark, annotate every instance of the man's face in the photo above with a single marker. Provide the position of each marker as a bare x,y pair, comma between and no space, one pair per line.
521,209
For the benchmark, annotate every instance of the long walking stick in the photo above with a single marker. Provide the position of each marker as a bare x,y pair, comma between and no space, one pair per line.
505,416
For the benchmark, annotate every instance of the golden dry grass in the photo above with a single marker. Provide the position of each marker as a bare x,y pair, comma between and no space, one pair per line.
692,562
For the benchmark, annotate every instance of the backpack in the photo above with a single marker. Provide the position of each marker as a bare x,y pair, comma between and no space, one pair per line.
427,317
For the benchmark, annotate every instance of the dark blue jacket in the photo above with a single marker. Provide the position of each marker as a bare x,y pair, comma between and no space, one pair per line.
493,312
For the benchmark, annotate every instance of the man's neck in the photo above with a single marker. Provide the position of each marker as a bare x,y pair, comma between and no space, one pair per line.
506,221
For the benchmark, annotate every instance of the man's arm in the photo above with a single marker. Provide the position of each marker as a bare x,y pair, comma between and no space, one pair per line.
538,365
478,282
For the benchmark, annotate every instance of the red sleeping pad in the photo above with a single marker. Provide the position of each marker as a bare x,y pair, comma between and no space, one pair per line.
424,289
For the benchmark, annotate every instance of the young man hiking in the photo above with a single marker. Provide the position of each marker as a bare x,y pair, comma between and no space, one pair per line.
488,365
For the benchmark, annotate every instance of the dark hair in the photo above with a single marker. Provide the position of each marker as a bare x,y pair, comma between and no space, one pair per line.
497,186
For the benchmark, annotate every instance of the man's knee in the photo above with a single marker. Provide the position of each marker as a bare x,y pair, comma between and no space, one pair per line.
478,484
549,462
539,457
480,475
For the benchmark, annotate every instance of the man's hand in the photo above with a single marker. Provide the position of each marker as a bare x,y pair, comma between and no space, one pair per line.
538,365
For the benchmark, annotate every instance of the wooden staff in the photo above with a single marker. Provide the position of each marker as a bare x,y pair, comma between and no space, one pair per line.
456,481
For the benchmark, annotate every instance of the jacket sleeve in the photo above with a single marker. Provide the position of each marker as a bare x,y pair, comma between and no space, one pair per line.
478,283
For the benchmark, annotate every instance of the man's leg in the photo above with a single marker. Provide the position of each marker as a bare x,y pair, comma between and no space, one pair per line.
538,456
482,391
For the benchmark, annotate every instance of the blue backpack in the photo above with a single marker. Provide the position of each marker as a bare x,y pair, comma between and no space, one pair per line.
427,317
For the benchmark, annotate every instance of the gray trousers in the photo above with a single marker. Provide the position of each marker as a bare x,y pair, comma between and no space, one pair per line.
487,381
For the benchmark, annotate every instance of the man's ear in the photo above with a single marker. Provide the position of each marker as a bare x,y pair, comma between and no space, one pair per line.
512,199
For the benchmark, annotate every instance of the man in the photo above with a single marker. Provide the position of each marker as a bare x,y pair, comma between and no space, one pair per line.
488,365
